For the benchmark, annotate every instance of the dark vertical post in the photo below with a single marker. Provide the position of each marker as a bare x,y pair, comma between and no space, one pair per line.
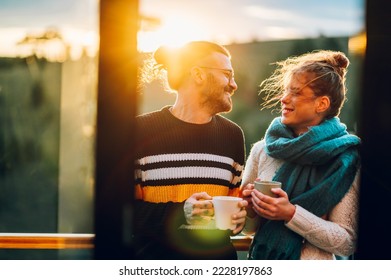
375,204
115,127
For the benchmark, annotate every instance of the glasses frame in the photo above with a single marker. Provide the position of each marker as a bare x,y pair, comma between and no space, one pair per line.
295,92
231,75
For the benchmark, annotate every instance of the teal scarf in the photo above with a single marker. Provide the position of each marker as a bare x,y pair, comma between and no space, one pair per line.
319,168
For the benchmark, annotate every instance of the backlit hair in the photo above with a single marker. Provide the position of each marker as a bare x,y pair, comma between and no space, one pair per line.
329,75
175,62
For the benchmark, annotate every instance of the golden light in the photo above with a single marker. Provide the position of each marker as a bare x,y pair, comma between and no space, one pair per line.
54,45
82,42
173,31
358,43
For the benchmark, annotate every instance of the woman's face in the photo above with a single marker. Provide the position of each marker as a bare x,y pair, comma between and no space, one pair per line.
299,104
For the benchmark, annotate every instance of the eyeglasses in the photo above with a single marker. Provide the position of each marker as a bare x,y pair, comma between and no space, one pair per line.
296,92
297,95
228,72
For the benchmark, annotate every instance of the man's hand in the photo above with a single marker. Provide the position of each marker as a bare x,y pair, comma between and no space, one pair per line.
240,218
199,209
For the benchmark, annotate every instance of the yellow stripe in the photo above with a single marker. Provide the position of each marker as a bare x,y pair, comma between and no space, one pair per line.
138,192
179,193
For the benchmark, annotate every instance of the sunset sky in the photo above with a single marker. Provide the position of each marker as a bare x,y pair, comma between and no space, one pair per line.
184,20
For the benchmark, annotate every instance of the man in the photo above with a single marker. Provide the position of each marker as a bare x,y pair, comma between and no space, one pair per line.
185,154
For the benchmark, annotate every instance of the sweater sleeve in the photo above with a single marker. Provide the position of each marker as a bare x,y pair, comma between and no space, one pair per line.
251,168
337,233
250,174
154,219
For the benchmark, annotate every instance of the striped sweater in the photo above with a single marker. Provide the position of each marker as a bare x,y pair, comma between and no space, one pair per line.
175,159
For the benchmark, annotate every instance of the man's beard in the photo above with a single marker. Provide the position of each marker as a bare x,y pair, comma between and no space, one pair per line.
215,98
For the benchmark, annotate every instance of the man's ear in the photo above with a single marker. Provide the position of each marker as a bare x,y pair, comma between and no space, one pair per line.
197,74
323,104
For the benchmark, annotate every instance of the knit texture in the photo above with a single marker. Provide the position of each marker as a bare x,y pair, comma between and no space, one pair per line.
174,160
319,164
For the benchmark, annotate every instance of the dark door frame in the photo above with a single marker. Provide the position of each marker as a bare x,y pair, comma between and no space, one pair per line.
117,105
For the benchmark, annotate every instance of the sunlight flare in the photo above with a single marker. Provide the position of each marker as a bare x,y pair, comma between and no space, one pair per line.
173,31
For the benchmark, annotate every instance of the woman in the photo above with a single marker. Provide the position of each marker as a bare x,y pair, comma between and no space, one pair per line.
309,150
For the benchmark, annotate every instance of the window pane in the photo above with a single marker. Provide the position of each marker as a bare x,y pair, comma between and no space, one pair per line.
48,77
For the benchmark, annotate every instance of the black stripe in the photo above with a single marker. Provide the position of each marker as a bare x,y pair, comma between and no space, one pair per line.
185,163
182,181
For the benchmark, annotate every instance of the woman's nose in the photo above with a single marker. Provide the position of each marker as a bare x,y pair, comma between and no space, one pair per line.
285,97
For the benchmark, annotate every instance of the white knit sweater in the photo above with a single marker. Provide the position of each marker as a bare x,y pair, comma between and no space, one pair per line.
322,238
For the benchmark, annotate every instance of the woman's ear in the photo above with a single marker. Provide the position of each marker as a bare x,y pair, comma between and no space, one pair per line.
323,104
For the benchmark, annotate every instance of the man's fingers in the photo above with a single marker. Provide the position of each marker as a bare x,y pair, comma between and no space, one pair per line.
203,212
204,204
202,195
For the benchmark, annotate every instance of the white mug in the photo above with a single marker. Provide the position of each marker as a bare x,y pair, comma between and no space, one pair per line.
224,208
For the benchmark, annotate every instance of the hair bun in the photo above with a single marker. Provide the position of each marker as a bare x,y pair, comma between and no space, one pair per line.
341,60
338,61
163,56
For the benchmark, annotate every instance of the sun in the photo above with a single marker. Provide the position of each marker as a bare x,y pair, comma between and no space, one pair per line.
173,31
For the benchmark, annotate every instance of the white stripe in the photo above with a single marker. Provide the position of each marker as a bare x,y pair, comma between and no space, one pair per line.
183,157
187,172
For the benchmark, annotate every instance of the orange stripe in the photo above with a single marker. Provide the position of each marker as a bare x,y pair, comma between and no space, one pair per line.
138,192
234,192
179,193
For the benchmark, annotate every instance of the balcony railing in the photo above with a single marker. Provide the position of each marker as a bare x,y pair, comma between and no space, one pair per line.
74,241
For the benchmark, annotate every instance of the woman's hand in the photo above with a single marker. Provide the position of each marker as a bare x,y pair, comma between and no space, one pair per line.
273,208
246,195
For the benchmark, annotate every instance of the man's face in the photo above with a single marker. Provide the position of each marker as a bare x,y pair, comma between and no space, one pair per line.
220,86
